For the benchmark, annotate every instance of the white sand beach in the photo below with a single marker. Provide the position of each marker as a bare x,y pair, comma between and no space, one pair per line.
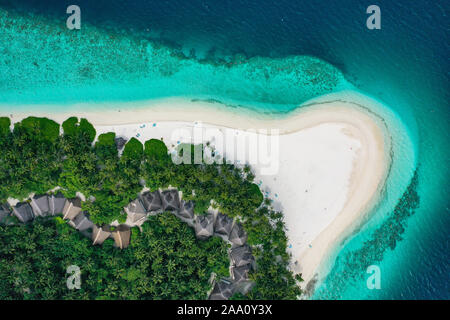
327,165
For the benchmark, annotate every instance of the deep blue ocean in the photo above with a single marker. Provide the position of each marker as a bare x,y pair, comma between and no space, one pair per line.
405,65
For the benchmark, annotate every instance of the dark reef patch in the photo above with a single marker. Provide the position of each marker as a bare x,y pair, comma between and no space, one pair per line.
350,268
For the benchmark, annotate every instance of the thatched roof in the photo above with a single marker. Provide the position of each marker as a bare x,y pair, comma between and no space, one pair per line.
23,212
241,273
241,256
81,222
242,283
72,208
56,203
186,210
136,211
120,142
238,236
100,234
170,200
151,201
122,236
222,290
204,226
40,205
223,224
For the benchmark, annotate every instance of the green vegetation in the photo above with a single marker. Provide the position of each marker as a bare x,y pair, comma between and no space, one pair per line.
30,160
164,261
109,182
5,123
74,128
155,149
133,149
117,179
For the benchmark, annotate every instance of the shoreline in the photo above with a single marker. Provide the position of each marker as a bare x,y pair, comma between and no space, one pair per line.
356,196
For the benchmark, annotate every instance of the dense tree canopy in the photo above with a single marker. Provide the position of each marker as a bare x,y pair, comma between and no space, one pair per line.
164,261
30,160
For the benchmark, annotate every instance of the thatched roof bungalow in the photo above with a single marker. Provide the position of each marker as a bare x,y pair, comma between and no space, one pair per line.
122,236
204,226
223,225
100,234
238,236
242,282
56,203
151,201
241,273
40,205
222,290
81,222
136,211
241,256
72,208
170,200
186,210
120,142
23,212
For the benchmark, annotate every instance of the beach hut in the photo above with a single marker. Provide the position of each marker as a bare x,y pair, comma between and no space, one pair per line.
223,225
81,222
120,142
40,205
186,210
241,273
23,212
56,203
238,236
100,234
151,201
241,280
72,208
241,256
122,236
204,226
170,200
222,290
136,211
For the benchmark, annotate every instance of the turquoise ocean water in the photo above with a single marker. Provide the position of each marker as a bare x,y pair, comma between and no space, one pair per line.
269,59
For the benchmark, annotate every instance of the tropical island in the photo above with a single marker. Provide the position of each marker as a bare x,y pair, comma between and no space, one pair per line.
162,258
272,235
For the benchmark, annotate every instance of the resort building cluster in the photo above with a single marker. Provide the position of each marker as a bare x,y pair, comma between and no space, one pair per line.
149,203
